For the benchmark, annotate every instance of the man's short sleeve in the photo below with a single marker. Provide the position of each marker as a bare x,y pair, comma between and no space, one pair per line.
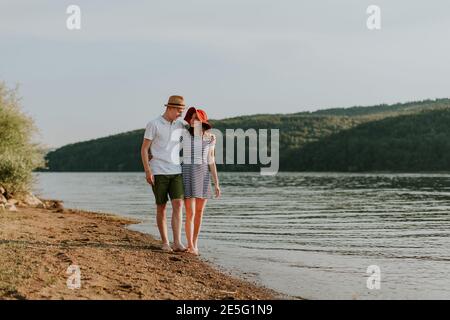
150,131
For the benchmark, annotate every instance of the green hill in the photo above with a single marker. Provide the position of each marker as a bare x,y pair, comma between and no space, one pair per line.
410,143
308,140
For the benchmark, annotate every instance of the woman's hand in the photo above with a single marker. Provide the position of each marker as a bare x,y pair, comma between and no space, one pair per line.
217,191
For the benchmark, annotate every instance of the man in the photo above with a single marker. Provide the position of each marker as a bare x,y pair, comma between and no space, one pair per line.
163,171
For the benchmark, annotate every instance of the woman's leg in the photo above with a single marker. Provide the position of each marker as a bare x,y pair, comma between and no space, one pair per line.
188,227
199,209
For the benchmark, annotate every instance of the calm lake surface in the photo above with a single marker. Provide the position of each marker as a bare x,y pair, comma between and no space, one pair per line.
311,235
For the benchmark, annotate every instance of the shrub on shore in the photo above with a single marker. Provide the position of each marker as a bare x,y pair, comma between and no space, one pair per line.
19,156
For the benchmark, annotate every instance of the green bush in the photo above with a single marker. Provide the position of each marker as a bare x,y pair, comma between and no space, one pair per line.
19,156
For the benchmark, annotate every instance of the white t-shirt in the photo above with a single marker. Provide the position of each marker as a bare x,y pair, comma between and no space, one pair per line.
165,147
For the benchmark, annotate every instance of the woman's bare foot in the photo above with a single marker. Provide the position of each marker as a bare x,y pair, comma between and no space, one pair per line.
192,250
166,247
179,248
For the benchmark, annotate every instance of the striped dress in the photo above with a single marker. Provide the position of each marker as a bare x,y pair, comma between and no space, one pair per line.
195,168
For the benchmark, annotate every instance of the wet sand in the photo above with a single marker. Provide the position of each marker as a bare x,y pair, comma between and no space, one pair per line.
38,245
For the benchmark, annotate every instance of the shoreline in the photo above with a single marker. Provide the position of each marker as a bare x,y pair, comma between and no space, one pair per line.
38,245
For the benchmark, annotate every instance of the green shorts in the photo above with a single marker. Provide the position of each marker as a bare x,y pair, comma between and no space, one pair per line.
171,185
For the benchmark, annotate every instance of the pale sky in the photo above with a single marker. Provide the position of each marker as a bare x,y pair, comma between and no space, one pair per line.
229,57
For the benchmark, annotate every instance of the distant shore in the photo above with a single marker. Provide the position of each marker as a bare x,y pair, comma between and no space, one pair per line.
38,245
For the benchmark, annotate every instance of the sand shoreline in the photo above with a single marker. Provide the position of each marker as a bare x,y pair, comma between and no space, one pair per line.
38,245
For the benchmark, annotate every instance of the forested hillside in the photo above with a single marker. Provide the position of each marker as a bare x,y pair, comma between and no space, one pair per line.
401,137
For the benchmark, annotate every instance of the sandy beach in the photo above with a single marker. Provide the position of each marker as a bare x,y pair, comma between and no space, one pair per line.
38,245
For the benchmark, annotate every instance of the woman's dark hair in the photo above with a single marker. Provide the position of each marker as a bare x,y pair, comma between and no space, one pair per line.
204,128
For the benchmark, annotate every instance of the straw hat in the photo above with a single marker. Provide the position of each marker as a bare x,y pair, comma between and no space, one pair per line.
175,101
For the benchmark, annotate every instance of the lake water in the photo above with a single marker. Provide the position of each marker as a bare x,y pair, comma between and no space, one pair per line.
311,235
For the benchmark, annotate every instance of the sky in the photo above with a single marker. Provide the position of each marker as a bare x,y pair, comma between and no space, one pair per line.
229,57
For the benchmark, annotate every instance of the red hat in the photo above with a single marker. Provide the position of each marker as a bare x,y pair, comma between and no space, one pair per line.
201,116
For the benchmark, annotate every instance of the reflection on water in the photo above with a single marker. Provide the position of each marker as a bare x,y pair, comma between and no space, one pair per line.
304,234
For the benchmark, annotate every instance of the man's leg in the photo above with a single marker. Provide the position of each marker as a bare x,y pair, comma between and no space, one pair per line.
177,220
176,192
161,221
160,190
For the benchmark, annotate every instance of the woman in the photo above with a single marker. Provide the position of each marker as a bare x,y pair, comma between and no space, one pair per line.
198,166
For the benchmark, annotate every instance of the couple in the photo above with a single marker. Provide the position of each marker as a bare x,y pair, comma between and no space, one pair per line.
190,182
